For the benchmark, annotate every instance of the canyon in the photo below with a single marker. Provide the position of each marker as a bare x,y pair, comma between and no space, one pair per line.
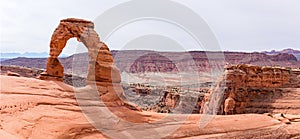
138,61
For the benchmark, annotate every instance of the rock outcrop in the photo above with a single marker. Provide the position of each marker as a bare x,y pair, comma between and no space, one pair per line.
69,79
22,71
254,89
169,101
101,65
102,73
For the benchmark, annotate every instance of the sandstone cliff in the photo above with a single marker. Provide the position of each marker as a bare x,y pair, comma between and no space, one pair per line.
254,89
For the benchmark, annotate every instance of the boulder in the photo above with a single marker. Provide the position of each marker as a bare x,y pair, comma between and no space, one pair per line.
9,73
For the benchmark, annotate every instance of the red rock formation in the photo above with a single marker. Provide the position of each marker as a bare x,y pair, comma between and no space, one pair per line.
137,61
101,67
254,89
102,73
169,101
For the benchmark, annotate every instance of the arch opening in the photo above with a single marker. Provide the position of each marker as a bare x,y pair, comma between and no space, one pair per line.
101,65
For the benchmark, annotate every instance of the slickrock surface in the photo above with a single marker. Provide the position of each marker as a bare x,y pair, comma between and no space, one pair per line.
254,89
32,108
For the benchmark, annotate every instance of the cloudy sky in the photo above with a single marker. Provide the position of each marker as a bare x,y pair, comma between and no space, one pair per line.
248,25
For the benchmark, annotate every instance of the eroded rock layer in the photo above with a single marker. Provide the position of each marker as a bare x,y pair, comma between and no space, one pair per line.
254,89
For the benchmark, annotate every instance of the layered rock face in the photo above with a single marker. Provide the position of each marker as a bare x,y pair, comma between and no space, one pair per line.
261,77
102,73
254,89
138,61
150,62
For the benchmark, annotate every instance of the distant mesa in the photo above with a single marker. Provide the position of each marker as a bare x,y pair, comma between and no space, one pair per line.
152,62
134,61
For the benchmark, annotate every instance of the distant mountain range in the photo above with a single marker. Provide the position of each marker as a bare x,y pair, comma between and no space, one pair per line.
5,56
296,53
139,61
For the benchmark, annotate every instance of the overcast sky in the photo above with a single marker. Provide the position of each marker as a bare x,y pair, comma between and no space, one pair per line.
239,25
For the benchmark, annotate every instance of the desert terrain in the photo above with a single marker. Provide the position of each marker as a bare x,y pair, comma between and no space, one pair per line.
148,94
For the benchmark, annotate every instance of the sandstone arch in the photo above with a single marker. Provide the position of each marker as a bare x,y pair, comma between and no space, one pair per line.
103,75
101,66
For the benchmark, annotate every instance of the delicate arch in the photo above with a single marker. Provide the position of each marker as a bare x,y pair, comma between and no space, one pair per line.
101,66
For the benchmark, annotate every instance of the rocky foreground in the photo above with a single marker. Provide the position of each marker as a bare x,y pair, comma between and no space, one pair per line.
32,108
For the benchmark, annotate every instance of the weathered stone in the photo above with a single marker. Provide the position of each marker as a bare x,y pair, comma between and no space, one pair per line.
171,99
229,106
54,68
